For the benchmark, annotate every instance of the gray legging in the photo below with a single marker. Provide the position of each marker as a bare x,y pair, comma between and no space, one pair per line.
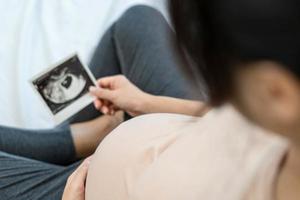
35,164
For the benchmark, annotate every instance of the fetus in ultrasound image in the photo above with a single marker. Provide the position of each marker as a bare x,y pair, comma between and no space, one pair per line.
63,84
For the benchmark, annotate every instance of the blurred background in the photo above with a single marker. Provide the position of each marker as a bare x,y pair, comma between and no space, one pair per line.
35,34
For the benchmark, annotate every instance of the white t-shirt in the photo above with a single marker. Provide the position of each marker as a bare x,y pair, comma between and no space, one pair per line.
176,157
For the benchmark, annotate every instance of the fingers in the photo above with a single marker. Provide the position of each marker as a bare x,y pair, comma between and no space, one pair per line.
105,109
106,100
107,94
105,106
101,93
111,109
108,82
75,187
76,180
80,174
98,104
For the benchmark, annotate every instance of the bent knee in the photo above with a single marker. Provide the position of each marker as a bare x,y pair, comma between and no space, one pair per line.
140,17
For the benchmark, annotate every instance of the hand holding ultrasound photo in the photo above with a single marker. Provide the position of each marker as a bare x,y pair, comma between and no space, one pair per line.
64,88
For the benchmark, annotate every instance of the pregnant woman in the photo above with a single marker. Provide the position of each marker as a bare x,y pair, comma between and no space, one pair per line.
35,164
249,53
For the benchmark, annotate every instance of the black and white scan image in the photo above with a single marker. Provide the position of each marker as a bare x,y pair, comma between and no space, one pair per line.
64,84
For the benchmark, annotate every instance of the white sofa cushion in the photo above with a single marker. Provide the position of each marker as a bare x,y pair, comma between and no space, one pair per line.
37,33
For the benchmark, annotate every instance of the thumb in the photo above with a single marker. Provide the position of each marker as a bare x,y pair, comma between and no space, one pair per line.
81,173
102,93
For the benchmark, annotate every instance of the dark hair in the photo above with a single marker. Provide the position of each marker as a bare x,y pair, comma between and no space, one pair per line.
217,35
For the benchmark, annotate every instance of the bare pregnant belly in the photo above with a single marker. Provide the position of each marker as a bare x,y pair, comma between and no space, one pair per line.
125,154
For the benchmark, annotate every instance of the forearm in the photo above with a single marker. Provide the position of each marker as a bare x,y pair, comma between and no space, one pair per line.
87,135
161,104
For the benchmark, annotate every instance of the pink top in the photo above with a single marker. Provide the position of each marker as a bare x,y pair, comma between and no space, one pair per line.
176,157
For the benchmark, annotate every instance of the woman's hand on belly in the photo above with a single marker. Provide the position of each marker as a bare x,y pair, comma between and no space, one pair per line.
75,187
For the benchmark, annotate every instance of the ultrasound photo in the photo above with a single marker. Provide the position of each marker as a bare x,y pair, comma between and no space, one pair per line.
64,85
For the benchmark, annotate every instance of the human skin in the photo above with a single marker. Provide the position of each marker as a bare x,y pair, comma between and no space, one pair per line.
117,92
269,95
75,187
87,135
